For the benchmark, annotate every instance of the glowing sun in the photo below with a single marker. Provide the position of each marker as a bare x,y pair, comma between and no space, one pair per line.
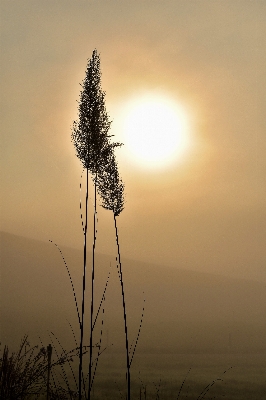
155,131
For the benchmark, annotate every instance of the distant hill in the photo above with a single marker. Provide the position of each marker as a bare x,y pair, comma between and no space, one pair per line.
185,311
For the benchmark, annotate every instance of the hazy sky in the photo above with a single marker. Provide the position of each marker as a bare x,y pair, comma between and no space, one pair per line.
207,210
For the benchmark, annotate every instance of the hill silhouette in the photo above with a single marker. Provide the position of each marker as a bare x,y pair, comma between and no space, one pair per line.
185,311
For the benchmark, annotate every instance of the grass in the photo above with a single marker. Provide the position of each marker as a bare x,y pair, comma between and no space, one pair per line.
23,375
26,374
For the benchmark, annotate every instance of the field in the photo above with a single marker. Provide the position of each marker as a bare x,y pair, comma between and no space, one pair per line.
195,327
202,376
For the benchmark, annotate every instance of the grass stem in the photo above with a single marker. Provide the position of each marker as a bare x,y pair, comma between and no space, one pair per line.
124,310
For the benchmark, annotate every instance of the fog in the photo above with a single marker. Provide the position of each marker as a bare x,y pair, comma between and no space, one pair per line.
184,311
193,322
206,212
192,234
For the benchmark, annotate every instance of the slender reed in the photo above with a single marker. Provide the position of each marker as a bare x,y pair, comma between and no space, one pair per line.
92,143
92,286
83,287
99,345
124,309
111,189
94,322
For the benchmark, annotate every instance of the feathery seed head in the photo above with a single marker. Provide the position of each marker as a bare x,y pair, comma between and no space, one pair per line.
111,187
90,133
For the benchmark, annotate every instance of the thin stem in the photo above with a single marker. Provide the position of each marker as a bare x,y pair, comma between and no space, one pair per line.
136,342
124,309
83,287
70,278
92,287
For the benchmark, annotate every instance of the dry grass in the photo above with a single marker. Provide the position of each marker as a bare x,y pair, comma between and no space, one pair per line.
23,374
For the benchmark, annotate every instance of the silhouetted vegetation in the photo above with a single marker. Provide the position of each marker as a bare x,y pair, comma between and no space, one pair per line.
111,189
34,372
25,374
93,148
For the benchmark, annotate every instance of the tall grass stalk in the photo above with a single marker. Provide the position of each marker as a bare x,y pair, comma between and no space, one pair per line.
124,309
92,287
83,288
111,189
84,348
92,143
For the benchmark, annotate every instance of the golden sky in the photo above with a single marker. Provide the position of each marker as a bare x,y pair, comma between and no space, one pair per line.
205,211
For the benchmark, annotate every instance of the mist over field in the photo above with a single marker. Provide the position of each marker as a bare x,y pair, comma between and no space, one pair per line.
207,321
185,311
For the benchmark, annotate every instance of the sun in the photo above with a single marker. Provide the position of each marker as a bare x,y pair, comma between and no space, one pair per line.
155,131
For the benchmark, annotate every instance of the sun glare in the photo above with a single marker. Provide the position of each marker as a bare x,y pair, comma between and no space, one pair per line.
155,131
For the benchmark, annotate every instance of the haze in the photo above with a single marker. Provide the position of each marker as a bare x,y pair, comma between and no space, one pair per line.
192,234
191,320
206,213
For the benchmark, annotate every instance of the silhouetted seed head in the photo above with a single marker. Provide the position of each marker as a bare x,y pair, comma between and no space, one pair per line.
90,133
111,187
